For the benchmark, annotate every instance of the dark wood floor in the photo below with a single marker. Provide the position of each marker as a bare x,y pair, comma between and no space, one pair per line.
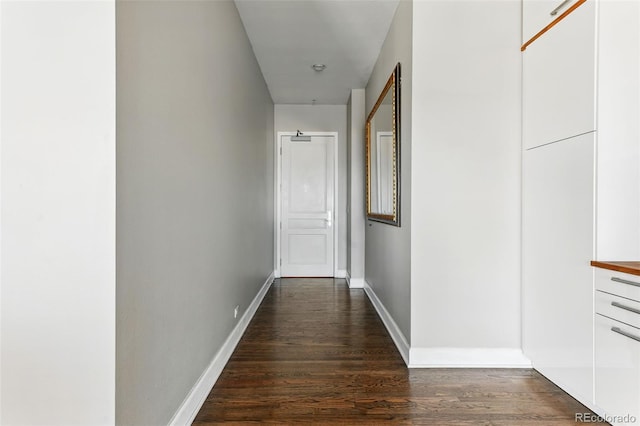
316,352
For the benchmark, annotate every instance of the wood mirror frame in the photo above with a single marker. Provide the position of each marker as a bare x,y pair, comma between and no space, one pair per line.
383,161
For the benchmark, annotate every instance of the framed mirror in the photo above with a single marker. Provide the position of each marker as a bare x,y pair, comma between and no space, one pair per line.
383,154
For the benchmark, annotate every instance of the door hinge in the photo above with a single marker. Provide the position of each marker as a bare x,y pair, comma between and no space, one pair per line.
280,150
280,225
280,261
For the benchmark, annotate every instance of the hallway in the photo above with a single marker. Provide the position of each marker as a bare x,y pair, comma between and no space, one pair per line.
317,351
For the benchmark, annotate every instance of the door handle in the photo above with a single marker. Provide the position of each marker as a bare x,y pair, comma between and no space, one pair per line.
555,11
626,308
625,334
623,281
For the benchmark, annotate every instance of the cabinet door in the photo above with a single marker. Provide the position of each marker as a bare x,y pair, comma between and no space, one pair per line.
559,80
617,357
537,14
557,248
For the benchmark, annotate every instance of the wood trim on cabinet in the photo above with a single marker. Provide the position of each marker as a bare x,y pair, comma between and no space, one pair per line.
625,267
552,24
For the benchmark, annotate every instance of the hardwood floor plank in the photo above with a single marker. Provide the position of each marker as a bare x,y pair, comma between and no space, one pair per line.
317,352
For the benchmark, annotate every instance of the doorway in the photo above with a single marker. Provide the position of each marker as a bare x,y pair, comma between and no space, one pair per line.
306,199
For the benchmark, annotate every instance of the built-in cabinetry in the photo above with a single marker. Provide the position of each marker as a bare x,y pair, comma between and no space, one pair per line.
558,243
581,179
558,79
558,199
617,345
541,13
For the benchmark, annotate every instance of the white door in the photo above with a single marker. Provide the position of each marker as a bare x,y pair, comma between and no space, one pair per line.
307,234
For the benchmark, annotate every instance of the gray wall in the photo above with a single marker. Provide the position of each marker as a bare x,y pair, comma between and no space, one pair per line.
194,195
388,248
323,118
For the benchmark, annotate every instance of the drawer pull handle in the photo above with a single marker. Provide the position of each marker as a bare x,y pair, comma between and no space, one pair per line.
555,11
626,308
625,334
622,281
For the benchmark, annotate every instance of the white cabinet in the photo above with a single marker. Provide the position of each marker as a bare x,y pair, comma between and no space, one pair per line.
623,310
559,80
537,14
581,148
617,358
617,346
618,283
618,111
617,323
558,219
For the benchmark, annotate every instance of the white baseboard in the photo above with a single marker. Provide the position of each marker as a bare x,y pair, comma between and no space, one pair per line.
445,357
356,283
389,323
340,273
189,408
467,358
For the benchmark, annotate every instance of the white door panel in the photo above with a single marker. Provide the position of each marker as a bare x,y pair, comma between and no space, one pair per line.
557,246
307,235
537,14
559,81
307,249
307,180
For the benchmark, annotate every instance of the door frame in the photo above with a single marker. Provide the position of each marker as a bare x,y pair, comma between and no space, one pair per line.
278,197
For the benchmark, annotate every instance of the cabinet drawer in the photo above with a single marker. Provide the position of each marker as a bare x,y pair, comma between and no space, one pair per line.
618,308
618,283
537,14
559,81
617,370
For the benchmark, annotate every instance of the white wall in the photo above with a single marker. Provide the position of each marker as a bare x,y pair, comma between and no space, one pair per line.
323,118
195,195
356,187
387,248
618,164
465,243
57,284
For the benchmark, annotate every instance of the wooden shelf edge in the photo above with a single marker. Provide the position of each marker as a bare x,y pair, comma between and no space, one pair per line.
552,24
626,267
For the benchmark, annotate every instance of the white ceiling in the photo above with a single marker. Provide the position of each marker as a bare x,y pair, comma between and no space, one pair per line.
288,36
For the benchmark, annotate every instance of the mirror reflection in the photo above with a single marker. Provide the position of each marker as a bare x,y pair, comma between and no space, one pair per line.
382,155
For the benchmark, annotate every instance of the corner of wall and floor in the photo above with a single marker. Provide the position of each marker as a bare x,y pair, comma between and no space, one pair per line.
189,408
447,283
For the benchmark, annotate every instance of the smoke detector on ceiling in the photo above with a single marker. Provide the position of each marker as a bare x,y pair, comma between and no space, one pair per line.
318,67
